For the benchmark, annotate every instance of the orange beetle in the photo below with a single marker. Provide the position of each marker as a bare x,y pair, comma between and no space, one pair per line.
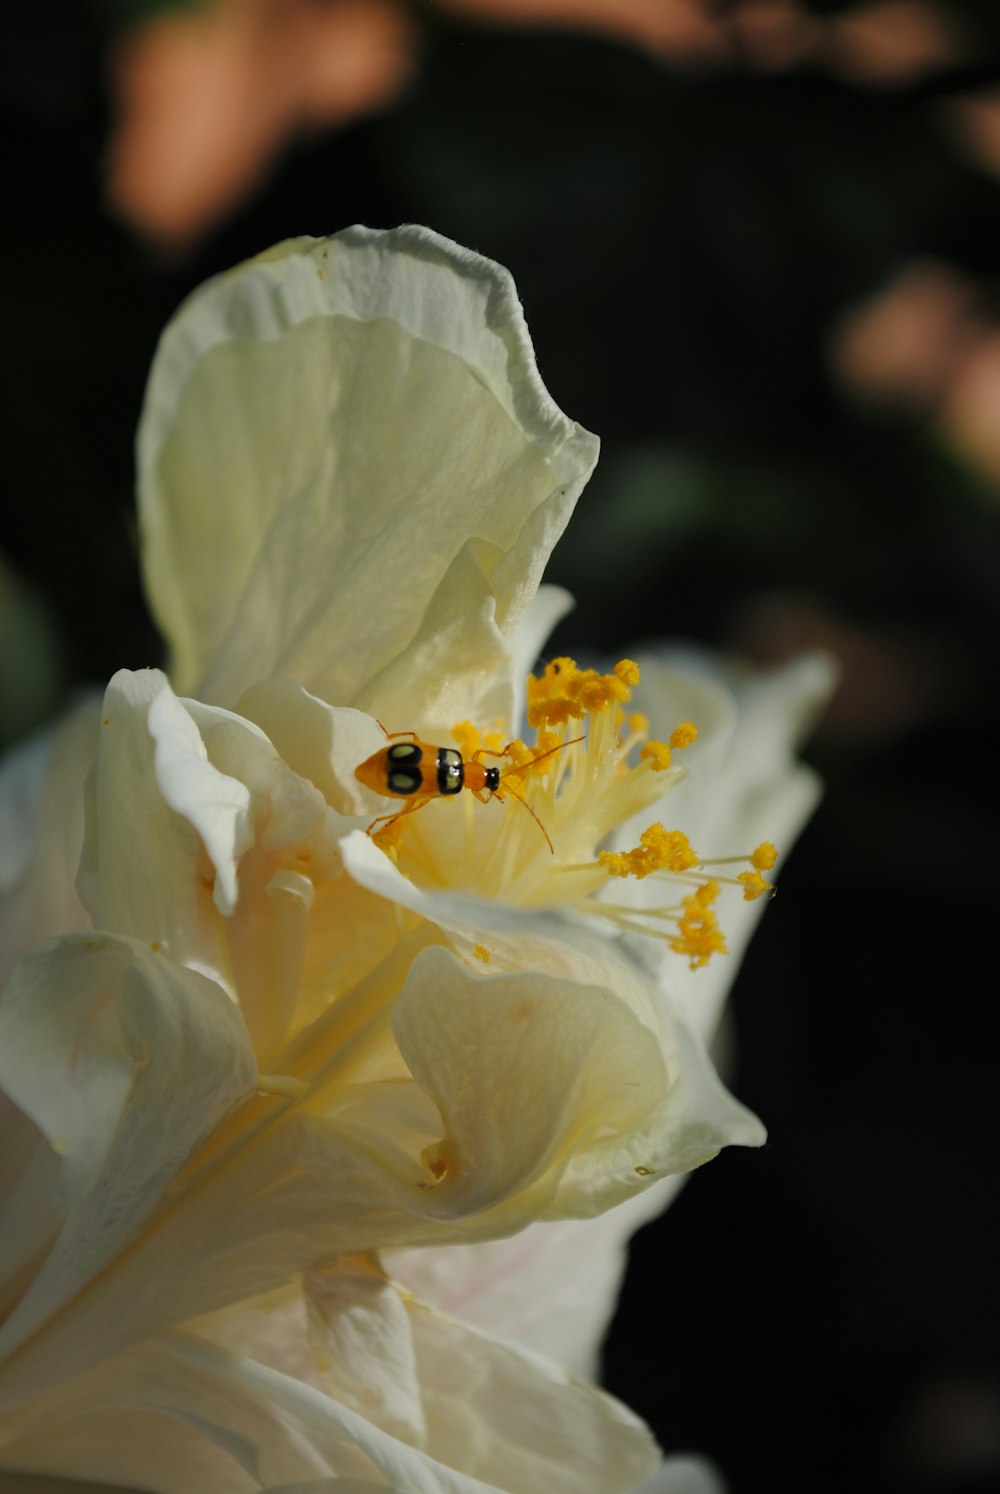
419,772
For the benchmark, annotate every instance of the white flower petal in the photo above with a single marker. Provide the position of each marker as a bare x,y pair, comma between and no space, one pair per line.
526,1069
215,804
743,784
475,1404
125,1062
361,1334
327,430
547,941
694,1118
516,1422
322,742
140,872
178,1406
551,1288
520,1422
548,606
692,1115
41,833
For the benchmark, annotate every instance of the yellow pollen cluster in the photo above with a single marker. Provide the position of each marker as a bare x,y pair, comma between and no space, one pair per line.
754,885
657,754
699,936
658,850
565,692
683,735
471,740
523,758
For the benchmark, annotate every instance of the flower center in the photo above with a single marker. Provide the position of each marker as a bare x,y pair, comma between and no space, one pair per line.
591,768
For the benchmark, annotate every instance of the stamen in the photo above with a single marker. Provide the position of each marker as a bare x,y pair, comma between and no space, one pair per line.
658,755
700,936
565,693
658,850
754,885
683,735
579,788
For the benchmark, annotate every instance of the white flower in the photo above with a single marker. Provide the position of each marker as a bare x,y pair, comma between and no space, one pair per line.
286,1045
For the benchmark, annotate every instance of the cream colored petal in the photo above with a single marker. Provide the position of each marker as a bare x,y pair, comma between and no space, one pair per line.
29,1195
550,942
322,742
526,1070
694,1119
690,1114
178,1415
456,668
547,607
362,1339
125,1062
743,785
552,1288
216,805
508,1417
327,430
41,833
235,1227
144,871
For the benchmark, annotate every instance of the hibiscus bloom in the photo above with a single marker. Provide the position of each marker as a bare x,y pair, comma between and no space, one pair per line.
267,1044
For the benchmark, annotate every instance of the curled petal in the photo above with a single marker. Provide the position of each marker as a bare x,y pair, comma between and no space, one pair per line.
323,743
348,429
525,1069
124,1062
140,872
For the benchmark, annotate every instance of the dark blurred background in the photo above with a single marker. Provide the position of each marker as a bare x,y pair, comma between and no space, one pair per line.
758,245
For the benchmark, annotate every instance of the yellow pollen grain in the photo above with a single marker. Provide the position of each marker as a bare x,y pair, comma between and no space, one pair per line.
659,849
471,740
466,735
481,953
699,936
764,857
657,754
564,692
683,735
754,885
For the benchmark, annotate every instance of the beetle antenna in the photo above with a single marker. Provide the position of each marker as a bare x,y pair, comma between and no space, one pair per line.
517,798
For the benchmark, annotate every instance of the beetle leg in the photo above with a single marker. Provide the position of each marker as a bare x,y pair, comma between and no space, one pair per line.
412,805
391,736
